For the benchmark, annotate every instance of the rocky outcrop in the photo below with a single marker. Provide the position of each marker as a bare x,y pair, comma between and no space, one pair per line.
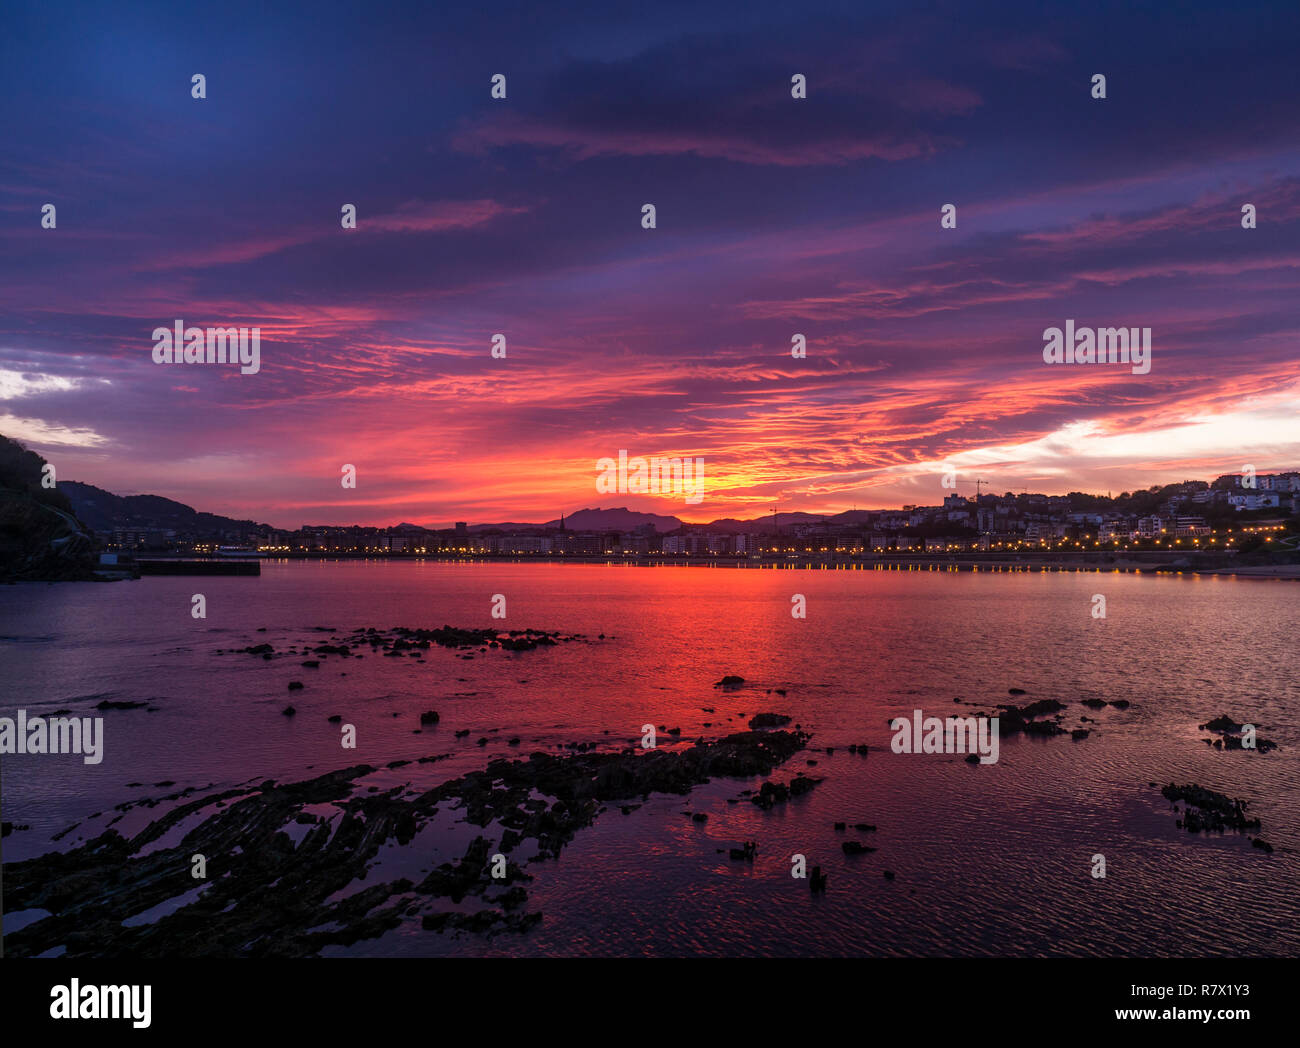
266,895
1204,809
1232,735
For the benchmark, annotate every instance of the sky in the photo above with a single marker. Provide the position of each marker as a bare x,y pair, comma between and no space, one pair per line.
522,215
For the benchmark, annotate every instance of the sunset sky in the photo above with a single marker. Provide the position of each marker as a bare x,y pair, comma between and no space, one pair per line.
818,216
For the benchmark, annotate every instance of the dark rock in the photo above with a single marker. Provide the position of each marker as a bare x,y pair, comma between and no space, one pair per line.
285,900
1207,810
1013,720
1231,737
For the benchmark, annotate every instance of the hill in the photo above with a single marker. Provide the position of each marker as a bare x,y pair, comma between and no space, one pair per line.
103,511
40,536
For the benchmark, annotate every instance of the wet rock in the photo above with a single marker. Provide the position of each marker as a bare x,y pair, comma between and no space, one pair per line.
769,720
1232,737
429,717
730,681
772,793
1014,720
1036,709
288,711
802,784
282,900
1205,809
513,898
295,685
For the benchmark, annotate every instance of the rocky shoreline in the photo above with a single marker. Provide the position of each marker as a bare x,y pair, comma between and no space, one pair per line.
265,895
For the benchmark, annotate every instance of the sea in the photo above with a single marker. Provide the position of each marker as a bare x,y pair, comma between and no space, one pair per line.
986,859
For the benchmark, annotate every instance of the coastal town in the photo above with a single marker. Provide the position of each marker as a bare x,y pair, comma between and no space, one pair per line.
1228,515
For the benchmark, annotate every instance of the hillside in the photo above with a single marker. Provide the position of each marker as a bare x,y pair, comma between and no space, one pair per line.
41,539
103,511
